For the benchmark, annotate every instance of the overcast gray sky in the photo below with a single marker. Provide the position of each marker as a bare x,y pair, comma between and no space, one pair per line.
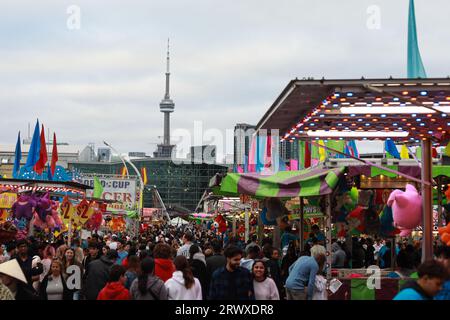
229,60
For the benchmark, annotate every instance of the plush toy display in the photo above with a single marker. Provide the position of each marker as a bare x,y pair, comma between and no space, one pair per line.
264,219
444,232
406,209
356,219
46,216
23,208
220,224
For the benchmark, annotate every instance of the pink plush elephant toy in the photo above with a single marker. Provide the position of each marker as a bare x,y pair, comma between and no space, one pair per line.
406,209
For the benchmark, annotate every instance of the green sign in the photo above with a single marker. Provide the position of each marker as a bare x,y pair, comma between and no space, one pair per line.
308,212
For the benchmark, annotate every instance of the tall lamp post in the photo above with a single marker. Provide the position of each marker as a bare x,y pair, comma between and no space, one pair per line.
141,182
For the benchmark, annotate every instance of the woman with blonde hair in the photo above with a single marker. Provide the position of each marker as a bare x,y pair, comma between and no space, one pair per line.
53,286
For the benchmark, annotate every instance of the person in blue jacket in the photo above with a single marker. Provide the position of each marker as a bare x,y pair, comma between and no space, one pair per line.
443,255
432,274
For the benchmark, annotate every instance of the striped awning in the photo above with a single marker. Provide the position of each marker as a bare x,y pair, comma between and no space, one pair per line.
284,184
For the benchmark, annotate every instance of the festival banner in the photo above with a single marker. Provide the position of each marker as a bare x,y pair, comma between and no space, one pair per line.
121,190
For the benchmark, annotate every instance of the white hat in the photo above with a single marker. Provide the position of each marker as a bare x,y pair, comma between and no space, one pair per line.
12,268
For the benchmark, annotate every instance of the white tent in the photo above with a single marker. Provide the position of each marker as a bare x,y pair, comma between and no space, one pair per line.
178,222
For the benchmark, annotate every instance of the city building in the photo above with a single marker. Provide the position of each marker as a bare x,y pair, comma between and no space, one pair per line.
180,185
203,154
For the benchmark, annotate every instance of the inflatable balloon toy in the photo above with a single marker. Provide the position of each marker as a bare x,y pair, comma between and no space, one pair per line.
406,209
44,216
23,208
355,219
264,219
220,225
444,232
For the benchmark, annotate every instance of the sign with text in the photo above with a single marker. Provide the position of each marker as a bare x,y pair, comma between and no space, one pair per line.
120,190
7,200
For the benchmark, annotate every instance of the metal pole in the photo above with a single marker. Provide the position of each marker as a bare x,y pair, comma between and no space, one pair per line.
328,234
439,194
427,196
302,225
246,225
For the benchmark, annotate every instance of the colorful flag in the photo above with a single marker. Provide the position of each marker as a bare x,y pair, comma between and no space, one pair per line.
54,155
35,148
144,175
98,188
338,145
415,64
404,154
124,171
391,148
17,158
252,156
40,164
261,153
239,169
304,154
322,152
447,150
352,149
293,165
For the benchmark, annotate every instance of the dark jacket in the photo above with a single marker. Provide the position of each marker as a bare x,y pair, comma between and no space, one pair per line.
199,272
67,294
236,285
97,278
215,262
155,290
275,273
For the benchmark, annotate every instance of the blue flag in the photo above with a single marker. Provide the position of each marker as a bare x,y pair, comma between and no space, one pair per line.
17,158
35,148
391,148
260,152
415,64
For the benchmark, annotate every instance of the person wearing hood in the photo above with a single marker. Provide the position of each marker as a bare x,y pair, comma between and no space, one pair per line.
183,285
432,275
115,288
197,263
98,275
337,255
252,254
147,286
164,267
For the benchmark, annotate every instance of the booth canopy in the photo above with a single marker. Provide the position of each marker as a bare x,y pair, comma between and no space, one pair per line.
178,221
284,184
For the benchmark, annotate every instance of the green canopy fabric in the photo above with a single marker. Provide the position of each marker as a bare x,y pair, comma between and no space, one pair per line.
284,184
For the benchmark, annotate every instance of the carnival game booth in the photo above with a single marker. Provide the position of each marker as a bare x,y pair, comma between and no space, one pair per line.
410,112
273,190
32,207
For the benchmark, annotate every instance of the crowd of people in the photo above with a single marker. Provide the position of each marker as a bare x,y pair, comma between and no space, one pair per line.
193,263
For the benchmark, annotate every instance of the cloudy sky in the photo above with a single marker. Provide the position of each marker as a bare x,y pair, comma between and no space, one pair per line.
229,60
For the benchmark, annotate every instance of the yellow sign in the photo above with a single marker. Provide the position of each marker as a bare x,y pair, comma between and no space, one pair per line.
84,211
67,210
7,200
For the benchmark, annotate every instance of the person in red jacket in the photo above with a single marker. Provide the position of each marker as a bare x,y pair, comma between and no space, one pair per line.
115,289
164,267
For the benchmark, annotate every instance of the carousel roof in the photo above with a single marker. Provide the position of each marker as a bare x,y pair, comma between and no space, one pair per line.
405,110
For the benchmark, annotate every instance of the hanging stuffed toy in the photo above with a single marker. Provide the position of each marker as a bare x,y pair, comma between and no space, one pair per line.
220,225
444,232
23,208
43,216
406,209
356,220
264,219
241,231
387,229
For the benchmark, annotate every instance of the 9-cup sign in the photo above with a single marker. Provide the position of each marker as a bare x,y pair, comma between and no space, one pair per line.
120,190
